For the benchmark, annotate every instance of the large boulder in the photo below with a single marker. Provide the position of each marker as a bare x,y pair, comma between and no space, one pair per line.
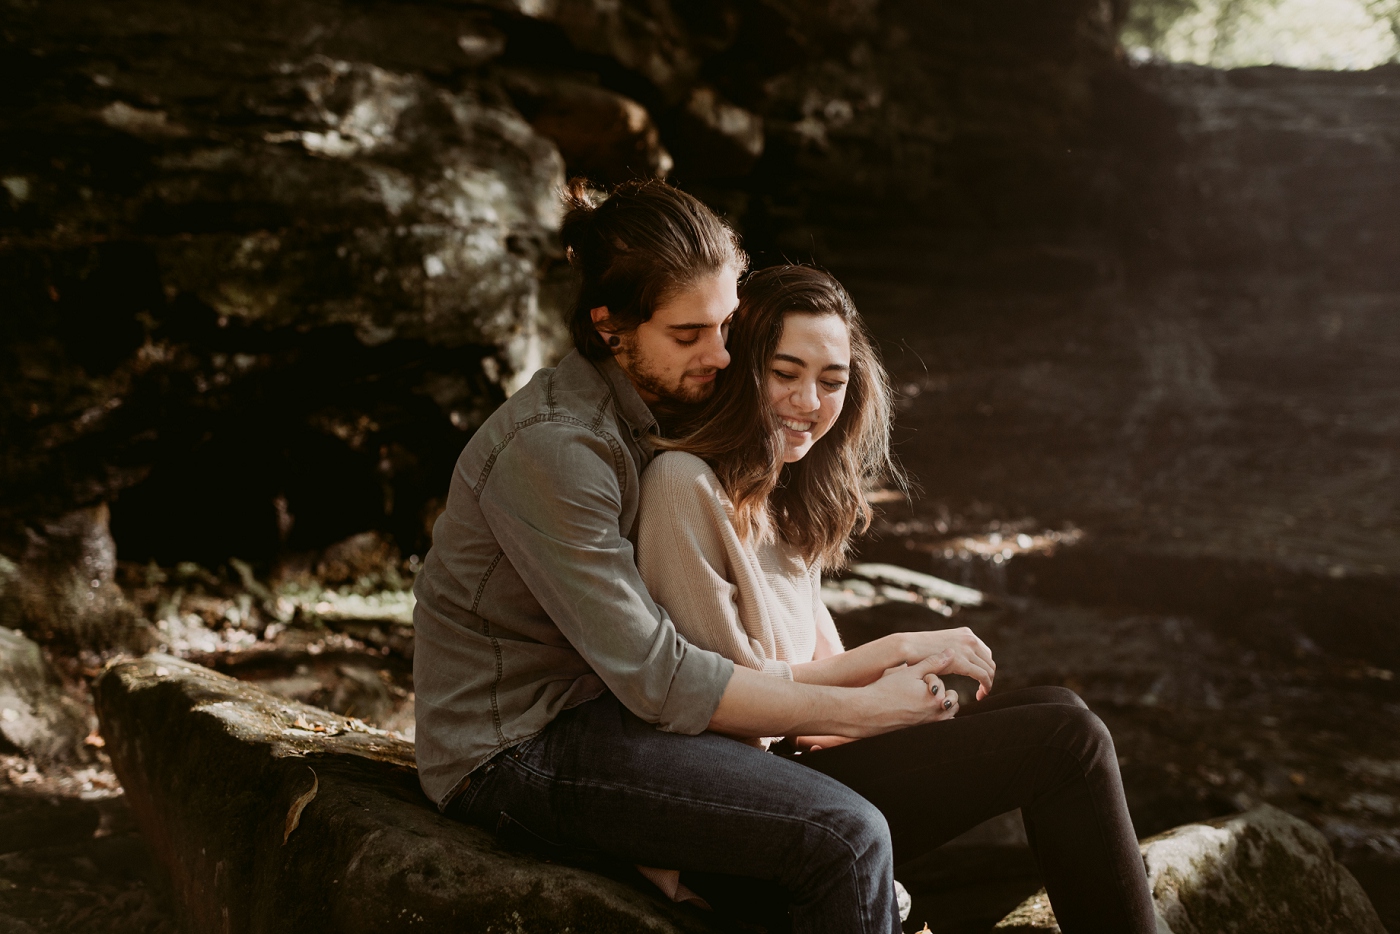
273,815
1261,872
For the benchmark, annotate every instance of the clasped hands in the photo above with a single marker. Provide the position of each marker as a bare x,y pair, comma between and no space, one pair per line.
910,690
924,656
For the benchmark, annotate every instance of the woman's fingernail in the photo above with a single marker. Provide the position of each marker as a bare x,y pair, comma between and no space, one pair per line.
947,703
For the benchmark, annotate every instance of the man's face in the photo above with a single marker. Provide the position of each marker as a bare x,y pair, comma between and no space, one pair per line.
674,356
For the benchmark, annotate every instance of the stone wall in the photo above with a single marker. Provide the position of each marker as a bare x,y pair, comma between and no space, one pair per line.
269,265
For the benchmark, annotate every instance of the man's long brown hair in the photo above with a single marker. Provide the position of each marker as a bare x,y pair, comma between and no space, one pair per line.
638,248
817,503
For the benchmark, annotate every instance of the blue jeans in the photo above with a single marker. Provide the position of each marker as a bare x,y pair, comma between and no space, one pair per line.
600,780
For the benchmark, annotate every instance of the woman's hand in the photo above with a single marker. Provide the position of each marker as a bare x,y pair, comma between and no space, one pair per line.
967,654
948,699
903,696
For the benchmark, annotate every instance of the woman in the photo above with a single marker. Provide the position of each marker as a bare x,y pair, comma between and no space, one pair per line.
739,518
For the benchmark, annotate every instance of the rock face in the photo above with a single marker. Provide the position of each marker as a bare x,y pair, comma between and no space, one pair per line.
217,223
272,815
36,718
1262,871
294,253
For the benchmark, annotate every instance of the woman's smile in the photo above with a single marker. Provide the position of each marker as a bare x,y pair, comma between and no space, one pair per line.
807,379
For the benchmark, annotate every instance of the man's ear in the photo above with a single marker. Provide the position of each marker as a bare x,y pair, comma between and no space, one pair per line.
601,322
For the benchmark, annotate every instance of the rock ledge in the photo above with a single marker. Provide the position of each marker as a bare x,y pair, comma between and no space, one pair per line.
271,815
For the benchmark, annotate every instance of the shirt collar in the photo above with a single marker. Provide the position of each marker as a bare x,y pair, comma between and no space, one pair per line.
629,404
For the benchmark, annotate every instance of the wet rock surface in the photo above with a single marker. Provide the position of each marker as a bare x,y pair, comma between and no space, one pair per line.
268,813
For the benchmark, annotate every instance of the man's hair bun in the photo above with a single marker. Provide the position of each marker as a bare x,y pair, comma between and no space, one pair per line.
635,246
578,194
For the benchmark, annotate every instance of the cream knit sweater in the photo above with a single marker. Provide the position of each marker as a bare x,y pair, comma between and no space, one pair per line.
756,603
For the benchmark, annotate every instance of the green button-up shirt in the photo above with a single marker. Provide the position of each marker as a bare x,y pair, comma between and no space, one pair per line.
529,601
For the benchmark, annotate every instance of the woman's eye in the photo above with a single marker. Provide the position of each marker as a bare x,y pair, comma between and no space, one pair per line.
785,377
832,386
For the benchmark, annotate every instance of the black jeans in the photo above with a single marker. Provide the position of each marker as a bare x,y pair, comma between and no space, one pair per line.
828,826
1039,749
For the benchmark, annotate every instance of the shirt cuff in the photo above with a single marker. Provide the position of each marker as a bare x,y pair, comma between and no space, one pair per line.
696,688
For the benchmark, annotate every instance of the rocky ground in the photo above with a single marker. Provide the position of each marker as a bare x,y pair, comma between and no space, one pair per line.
1207,722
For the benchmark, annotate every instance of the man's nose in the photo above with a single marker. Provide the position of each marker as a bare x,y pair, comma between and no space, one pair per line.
715,354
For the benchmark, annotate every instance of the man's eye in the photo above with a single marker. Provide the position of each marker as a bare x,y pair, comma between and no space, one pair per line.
687,341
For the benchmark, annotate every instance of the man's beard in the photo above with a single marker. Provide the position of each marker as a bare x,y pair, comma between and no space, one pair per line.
671,394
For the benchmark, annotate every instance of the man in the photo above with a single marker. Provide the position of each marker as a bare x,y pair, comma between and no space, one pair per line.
556,702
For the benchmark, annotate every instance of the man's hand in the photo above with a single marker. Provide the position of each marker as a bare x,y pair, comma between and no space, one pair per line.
967,655
758,704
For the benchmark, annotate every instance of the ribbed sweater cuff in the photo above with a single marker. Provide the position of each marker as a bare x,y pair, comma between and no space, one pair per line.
780,669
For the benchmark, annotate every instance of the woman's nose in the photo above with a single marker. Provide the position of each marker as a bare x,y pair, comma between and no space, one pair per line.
805,397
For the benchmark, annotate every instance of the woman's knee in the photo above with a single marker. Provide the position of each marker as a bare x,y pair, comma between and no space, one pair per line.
1053,694
1082,732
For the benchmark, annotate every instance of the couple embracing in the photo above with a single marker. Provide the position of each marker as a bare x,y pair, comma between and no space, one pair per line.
616,620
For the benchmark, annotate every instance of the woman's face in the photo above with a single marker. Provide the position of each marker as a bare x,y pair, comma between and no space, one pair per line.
807,378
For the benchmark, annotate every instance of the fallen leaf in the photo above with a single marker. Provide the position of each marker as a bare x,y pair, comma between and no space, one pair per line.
299,805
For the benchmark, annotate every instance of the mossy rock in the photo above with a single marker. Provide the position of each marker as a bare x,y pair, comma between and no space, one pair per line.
275,816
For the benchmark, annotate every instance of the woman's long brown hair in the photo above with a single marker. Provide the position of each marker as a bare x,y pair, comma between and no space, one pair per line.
817,503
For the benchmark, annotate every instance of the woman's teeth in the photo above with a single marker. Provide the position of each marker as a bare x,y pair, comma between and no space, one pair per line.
796,425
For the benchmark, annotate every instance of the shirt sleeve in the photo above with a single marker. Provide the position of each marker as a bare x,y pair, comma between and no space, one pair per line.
553,501
684,561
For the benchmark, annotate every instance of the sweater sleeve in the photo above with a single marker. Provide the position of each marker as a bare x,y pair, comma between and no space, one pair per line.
683,553
828,639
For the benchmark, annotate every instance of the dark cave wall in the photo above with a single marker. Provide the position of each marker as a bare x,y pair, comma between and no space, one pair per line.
268,265
259,254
